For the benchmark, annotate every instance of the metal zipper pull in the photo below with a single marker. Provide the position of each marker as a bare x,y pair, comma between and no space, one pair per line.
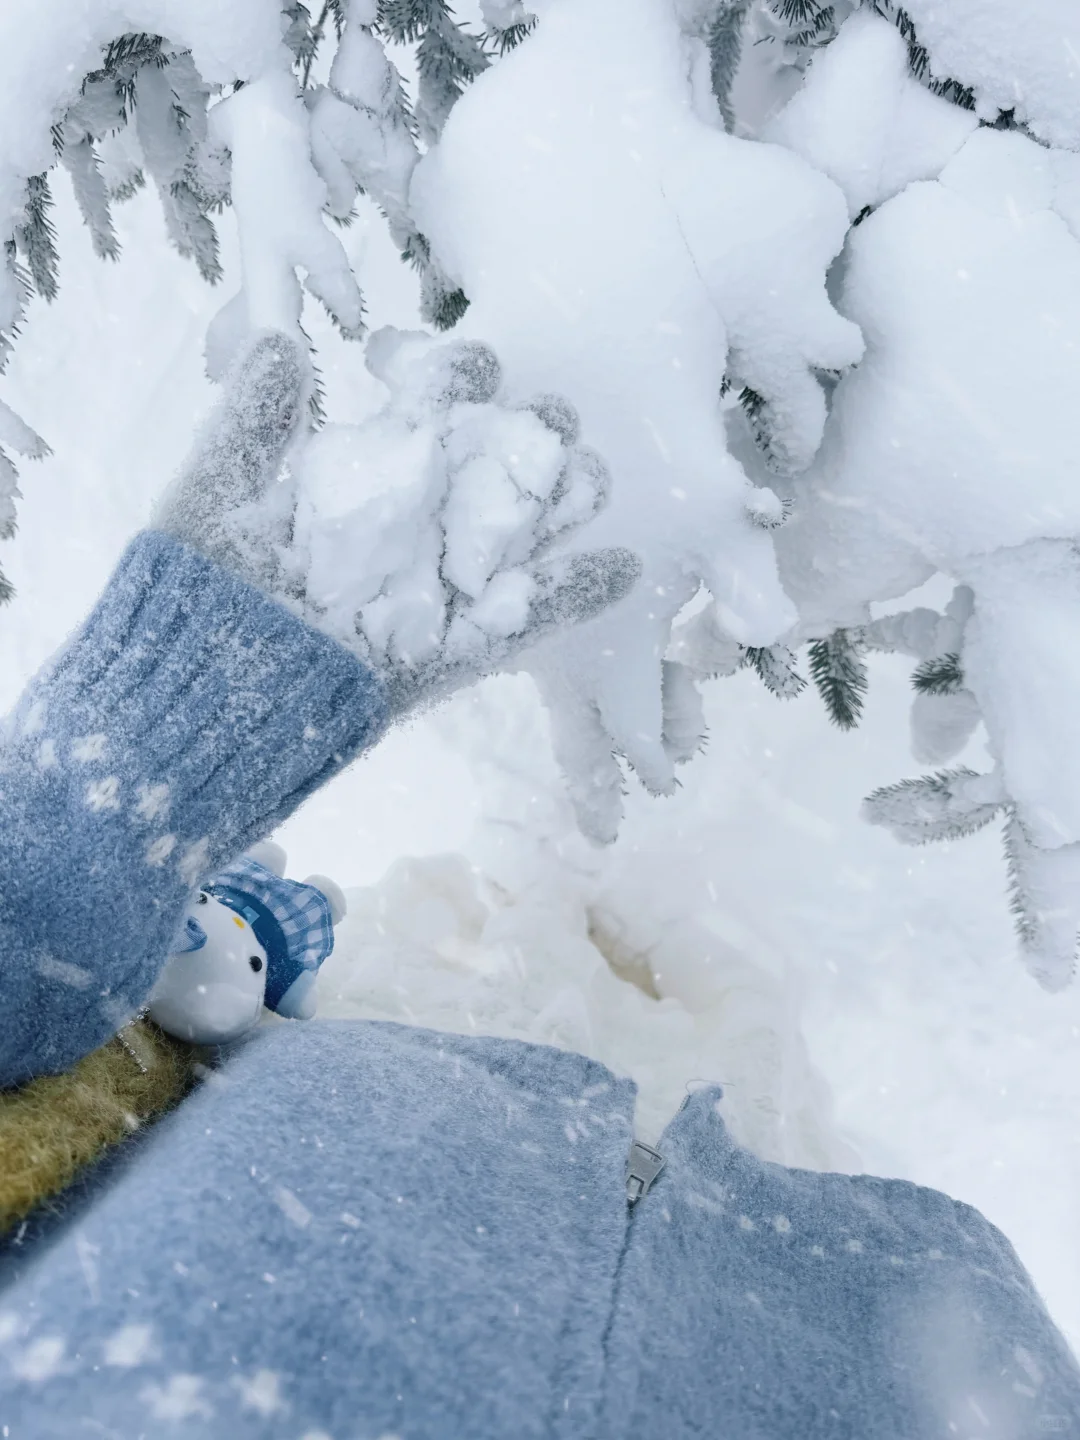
643,1165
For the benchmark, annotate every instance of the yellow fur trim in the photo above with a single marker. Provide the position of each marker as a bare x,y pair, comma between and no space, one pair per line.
52,1127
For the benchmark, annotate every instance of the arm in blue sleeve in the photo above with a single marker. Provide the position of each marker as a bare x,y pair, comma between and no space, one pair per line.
187,717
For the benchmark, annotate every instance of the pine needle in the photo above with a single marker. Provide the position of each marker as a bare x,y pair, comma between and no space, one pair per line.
775,667
945,806
840,676
940,675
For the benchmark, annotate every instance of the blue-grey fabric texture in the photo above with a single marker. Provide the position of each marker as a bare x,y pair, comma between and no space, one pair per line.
361,1230
415,1234
356,1231
187,717
823,1307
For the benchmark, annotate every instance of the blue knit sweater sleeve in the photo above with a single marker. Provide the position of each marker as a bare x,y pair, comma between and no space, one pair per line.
186,718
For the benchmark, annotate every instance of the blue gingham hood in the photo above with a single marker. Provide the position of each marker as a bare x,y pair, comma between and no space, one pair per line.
292,921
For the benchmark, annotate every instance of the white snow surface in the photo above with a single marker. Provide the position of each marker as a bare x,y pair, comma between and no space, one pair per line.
1024,58
618,248
967,290
860,998
278,198
952,448
862,119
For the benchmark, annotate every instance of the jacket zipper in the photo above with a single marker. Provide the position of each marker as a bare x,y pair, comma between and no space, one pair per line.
643,1165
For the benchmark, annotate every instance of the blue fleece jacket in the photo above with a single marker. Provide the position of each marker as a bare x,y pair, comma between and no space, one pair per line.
188,717
365,1231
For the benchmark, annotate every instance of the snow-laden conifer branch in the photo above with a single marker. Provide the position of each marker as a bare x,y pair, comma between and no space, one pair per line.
448,56
776,669
641,279
719,25
838,671
919,57
209,112
508,23
911,480
84,76
1044,897
940,675
35,237
945,806
641,341
364,138
809,23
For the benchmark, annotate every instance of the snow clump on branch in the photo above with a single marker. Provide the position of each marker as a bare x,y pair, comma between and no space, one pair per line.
951,448
627,252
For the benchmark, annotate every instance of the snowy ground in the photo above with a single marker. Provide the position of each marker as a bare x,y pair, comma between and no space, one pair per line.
861,1000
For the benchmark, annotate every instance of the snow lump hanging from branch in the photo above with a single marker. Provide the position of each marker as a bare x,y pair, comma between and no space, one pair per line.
618,248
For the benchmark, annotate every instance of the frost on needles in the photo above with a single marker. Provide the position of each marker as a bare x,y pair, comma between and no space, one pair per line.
221,108
809,273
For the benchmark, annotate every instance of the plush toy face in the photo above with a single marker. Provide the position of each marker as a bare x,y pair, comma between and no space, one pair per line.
211,990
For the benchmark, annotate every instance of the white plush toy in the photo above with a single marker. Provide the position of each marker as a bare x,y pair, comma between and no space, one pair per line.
250,938
213,991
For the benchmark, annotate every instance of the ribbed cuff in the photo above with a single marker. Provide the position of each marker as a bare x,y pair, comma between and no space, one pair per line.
188,717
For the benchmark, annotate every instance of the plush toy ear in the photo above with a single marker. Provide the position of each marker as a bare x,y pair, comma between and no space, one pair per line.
335,896
301,998
270,854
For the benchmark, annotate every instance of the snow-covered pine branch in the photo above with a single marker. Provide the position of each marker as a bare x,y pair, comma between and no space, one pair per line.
508,22
640,272
950,448
221,109
809,272
945,806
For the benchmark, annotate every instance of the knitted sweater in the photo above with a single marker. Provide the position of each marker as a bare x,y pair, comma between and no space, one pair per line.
186,718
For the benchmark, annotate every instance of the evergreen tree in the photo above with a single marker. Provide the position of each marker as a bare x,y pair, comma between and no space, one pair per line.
141,79
448,57
919,59
725,40
806,25
364,139
940,675
145,113
35,237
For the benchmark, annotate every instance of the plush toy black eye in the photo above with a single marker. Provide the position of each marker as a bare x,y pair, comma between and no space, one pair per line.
203,897
256,963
